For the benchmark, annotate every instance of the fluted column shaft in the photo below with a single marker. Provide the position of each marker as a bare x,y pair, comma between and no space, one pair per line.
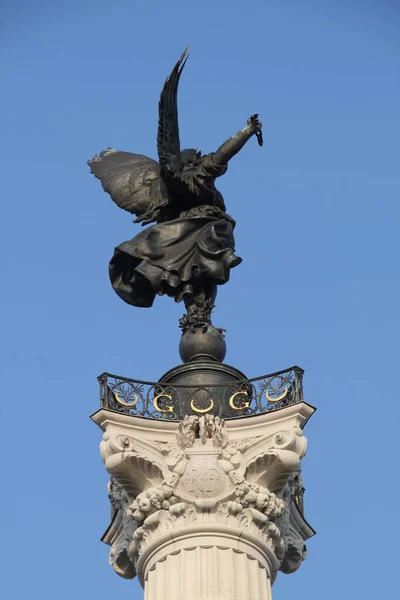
210,573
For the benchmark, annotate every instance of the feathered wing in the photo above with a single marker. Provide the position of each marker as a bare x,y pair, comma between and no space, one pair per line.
133,181
168,144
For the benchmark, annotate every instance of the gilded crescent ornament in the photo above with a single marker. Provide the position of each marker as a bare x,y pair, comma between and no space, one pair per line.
202,410
268,397
134,401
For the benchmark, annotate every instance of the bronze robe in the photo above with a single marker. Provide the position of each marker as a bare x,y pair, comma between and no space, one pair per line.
193,243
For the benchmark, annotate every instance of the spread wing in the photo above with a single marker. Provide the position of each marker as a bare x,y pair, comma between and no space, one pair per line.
133,181
168,145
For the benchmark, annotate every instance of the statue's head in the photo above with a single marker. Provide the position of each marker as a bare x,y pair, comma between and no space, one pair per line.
189,155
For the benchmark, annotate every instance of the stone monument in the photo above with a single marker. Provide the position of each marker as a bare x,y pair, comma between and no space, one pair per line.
205,482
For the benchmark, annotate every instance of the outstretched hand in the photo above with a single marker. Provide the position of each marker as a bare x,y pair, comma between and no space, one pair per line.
254,123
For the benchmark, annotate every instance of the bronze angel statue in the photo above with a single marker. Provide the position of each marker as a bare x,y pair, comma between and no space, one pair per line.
189,248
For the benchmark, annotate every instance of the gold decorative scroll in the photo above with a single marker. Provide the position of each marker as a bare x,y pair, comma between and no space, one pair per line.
169,408
244,405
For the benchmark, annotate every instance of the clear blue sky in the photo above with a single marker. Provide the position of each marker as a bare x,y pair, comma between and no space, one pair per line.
318,223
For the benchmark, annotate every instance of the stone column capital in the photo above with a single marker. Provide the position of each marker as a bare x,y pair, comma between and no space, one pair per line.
205,483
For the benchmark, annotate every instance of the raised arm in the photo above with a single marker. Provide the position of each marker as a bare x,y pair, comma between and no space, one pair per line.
237,141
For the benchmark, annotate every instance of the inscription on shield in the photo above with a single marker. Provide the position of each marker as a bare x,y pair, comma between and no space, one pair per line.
203,477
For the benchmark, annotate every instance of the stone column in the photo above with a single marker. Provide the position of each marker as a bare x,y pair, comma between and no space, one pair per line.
206,508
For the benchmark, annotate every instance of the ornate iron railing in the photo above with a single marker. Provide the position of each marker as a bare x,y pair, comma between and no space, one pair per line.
158,400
